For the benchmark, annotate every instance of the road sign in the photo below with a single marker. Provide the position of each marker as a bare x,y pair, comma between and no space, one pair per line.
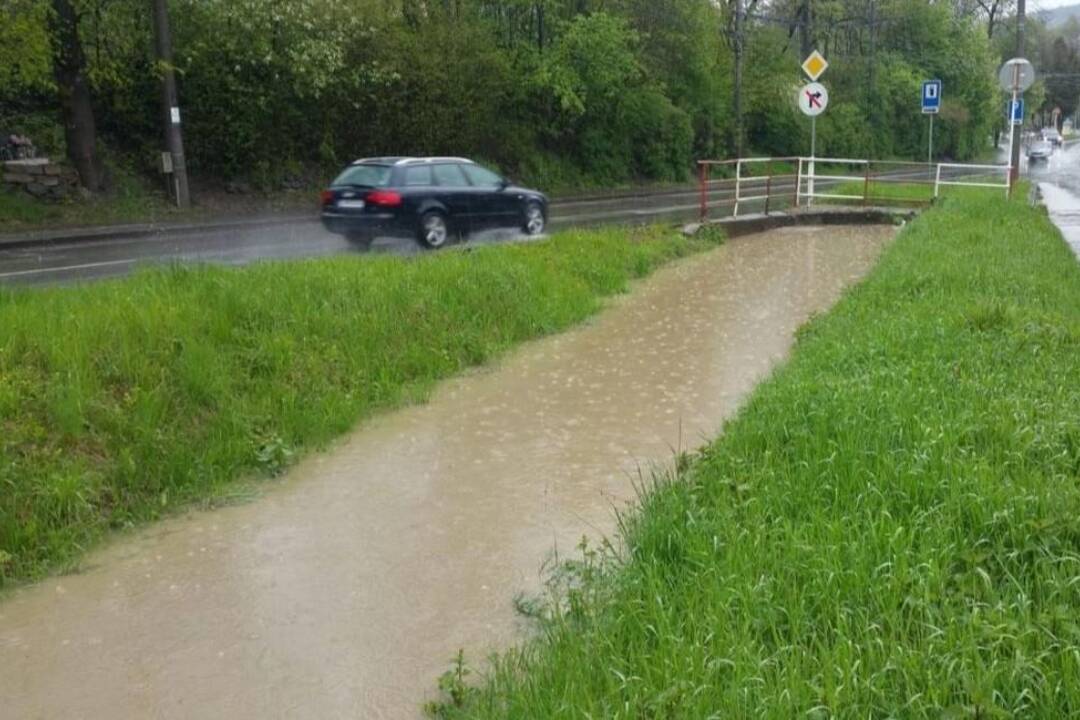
1014,110
931,97
815,65
1016,75
813,99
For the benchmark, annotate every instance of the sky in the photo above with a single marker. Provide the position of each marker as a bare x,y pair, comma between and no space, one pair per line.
1049,4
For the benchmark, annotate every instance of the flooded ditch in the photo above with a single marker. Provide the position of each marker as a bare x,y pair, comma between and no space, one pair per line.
345,591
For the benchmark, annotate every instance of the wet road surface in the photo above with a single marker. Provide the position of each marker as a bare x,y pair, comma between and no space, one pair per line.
77,260
1059,182
346,589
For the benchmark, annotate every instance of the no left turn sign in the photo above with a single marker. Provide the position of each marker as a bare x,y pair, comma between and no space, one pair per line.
813,99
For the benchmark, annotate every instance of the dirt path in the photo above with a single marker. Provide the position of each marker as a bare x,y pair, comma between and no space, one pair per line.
345,591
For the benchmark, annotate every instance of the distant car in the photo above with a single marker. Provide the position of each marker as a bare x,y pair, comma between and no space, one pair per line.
1040,150
432,199
1052,136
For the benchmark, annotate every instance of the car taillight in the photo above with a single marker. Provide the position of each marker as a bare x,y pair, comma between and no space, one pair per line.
327,197
384,198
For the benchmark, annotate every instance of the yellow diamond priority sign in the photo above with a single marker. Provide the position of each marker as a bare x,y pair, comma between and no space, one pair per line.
815,65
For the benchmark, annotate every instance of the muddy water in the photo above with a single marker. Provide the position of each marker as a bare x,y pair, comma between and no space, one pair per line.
345,591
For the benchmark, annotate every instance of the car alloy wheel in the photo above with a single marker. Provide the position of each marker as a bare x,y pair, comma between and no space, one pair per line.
433,230
534,219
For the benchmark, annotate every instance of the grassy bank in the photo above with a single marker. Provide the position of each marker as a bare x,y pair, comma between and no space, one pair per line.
890,528
122,400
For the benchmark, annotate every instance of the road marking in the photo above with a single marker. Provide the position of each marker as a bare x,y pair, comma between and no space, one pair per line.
83,266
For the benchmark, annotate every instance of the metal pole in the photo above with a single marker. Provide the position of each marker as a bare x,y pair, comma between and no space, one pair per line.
768,192
1014,153
813,154
930,155
170,107
798,183
1014,140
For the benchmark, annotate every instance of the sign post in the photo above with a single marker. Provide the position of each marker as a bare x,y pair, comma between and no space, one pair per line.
931,104
813,99
1016,76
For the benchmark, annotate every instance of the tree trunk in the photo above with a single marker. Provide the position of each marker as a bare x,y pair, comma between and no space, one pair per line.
69,69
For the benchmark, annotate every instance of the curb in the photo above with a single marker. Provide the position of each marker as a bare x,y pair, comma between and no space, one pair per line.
753,224
59,236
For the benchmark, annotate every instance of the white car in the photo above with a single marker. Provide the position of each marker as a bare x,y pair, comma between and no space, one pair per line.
1040,150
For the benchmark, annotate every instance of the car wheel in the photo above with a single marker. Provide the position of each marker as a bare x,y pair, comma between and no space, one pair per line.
434,230
535,222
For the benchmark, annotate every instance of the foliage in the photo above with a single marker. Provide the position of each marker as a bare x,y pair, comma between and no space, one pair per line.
560,92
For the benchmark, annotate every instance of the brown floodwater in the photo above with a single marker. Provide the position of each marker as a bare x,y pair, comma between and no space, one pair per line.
344,591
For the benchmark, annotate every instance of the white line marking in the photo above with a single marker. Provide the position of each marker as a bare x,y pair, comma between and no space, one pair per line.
84,266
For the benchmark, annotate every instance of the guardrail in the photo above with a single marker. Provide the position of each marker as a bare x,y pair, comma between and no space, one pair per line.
779,183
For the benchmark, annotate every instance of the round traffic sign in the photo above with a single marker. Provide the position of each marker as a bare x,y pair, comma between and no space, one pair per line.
1016,75
813,99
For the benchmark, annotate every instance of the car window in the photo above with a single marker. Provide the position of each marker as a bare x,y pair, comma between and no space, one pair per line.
364,176
420,175
449,176
481,177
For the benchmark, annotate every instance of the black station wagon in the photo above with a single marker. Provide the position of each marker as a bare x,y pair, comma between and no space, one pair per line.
431,199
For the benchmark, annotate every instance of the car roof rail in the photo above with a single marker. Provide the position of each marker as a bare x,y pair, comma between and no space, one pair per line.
428,160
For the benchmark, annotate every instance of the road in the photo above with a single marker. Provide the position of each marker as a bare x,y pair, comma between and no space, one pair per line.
76,260
80,260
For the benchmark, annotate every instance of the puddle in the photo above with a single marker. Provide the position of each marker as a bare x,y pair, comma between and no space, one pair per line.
345,591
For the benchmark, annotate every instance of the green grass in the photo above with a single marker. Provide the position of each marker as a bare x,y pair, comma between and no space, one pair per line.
123,400
889,529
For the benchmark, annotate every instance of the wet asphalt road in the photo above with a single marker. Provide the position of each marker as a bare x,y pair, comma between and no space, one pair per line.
1060,183
76,260
80,260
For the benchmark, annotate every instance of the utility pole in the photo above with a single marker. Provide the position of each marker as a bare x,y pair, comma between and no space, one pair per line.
1014,160
740,21
806,27
170,107
872,94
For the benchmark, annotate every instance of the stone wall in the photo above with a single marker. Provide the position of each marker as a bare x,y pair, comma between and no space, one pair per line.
40,177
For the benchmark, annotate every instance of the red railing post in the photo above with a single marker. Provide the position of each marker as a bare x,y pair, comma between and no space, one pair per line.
703,182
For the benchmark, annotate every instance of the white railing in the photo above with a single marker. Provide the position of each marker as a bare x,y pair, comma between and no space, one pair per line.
798,181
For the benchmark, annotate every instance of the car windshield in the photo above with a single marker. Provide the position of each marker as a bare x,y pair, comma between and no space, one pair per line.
375,176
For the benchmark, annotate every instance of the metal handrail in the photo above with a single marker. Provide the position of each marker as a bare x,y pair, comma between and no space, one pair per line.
807,170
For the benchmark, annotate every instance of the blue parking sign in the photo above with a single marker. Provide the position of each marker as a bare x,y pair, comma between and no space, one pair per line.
931,97
1014,110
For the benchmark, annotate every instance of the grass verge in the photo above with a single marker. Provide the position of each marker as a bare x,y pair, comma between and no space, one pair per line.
122,400
889,528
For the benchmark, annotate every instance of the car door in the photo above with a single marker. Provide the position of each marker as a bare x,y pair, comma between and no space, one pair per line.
453,190
493,204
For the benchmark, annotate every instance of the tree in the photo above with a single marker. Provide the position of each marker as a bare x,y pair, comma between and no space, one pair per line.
73,91
994,9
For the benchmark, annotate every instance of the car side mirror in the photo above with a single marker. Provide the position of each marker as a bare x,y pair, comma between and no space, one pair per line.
504,183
